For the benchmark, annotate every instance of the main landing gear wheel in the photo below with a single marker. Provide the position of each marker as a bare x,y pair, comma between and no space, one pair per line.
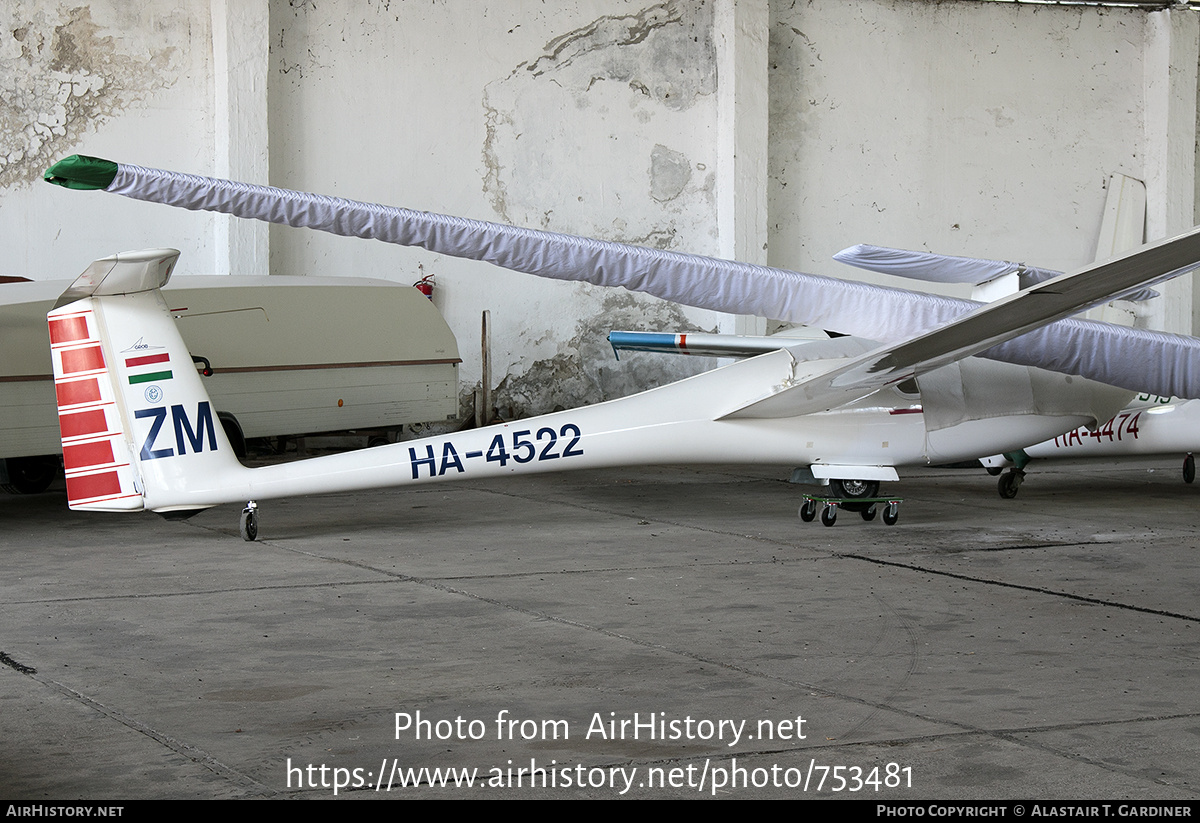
808,511
248,524
829,515
994,471
1009,483
854,495
854,489
1189,469
891,513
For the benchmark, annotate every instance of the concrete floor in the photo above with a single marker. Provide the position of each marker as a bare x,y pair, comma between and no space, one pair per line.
1043,647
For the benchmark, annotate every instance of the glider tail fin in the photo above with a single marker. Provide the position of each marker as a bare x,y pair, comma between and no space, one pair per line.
138,429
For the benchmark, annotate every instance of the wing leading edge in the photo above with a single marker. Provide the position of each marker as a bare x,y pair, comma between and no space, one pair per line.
1138,360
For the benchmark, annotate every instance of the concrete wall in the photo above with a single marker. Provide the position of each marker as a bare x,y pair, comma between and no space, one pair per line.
966,128
772,133
128,81
981,129
593,117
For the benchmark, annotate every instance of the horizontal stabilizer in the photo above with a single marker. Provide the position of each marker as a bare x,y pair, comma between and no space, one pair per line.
943,268
920,265
129,272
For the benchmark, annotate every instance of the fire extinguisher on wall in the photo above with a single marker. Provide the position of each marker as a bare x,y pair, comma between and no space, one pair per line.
425,286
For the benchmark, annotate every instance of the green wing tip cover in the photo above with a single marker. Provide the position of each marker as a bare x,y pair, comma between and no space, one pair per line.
80,172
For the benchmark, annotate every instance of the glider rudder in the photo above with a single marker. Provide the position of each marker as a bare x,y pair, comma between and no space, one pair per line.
137,425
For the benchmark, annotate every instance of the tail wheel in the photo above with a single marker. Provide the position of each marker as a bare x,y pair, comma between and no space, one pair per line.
1009,483
248,523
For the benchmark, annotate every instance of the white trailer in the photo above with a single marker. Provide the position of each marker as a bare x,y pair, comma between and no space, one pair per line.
289,356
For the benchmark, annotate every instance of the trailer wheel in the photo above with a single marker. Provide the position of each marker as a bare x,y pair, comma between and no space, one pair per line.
829,515
233,431
891,513
30,475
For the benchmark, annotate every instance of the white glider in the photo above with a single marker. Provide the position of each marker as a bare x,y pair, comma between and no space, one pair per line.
906,391
1149,426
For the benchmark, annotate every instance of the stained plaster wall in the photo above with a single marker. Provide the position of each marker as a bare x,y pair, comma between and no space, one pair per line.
128,81
963,127
594,117
980,129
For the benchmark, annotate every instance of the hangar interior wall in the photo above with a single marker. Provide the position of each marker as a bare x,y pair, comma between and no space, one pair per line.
768,132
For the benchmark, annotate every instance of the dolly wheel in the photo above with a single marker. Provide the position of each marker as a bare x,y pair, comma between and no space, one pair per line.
829,515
